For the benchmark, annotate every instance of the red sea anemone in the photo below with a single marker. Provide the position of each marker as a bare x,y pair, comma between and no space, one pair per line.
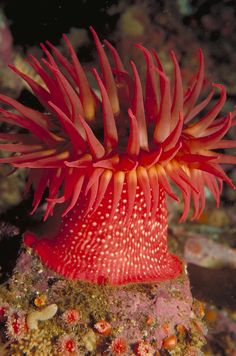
107,152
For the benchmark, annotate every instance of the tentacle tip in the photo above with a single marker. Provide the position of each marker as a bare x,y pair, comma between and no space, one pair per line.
42,45
65,213
200,52
46,216
218,85
182,218
92,30
172,53
95,72
231,184
139,46
33,210
12,67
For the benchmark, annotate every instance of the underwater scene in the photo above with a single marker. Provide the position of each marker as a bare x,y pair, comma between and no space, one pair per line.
118,178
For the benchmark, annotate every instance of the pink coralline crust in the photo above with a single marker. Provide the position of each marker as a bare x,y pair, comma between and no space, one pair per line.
108,155
169,303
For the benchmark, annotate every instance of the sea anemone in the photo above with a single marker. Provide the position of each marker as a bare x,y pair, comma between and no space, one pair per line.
106,149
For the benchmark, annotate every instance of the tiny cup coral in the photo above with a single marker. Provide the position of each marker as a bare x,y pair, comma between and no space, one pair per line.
108,152
71,317
144,348
16,325
119,346
103,327
67,345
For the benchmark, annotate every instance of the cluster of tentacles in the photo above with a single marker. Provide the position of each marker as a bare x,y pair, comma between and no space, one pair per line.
109,146
164,140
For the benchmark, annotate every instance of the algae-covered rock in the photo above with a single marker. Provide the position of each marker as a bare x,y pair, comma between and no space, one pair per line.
96,320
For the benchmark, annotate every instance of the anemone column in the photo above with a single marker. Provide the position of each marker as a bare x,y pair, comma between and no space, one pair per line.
116,250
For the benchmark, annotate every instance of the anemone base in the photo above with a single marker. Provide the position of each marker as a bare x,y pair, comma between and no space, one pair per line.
148,317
